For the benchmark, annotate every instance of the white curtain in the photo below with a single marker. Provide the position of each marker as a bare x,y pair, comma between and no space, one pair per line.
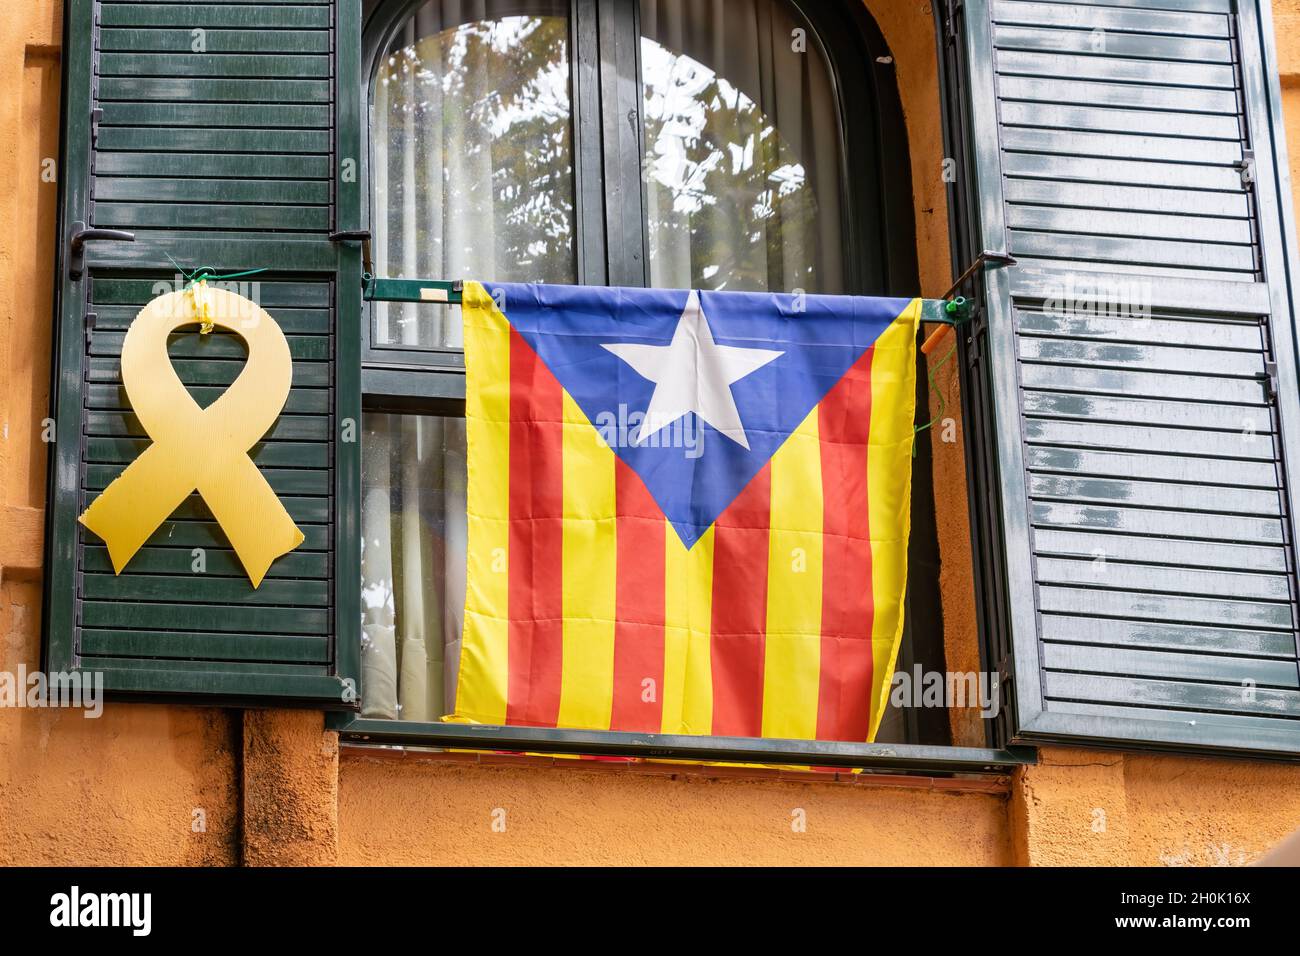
742,161
378,600
412,564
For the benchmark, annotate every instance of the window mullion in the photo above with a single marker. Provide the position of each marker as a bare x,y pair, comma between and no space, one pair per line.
588,174
621,122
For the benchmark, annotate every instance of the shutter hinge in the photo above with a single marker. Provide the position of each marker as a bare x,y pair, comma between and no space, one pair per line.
974,343
91,319
96,115
1004,677
362,236
1247,167
973,275
1269,379
950,20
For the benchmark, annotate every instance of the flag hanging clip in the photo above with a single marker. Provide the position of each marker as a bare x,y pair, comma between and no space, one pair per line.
957,309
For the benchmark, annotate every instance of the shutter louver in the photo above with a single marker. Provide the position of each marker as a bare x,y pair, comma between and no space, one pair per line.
216,133
234,138
1133,375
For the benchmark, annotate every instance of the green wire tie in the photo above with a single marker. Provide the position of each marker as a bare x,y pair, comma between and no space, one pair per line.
203,274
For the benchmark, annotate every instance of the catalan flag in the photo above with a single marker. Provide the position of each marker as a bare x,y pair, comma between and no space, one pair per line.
688,511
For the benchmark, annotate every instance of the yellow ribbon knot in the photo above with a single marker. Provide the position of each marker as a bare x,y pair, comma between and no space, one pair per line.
202,305
200,449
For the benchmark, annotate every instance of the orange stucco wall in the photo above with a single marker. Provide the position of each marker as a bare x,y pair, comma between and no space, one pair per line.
411,810
153,784
144,784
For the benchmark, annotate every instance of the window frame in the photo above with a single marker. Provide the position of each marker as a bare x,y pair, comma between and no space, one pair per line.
432,382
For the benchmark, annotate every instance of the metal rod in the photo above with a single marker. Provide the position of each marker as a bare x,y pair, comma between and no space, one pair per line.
818,753
448,292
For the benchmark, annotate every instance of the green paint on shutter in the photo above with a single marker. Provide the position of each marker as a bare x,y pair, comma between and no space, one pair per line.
1134,466
232,157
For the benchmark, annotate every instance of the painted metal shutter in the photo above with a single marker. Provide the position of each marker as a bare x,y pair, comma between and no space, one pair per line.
1133,498
222,134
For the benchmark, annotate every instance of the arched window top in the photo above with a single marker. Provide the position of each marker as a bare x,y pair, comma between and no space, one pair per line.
673,143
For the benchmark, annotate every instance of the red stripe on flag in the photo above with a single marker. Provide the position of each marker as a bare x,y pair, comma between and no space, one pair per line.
639,604
739,616
536,563
848,601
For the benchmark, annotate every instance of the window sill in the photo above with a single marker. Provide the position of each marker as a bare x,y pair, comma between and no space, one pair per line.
908,758
997,785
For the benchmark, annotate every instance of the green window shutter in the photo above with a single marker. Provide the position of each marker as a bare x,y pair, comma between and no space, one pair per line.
224,135
1135,489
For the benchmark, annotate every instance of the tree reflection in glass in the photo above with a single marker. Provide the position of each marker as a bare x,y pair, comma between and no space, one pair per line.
473,168
741,149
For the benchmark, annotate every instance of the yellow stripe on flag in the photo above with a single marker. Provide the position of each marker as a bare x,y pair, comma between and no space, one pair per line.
889,455
590,560
688,613
792,658
483,679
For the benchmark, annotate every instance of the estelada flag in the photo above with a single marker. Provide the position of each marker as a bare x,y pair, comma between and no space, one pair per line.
688,511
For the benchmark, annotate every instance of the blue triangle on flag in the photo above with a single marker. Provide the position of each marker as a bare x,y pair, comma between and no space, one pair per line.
691,469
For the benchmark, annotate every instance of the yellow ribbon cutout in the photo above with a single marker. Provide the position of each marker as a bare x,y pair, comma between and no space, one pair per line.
200,449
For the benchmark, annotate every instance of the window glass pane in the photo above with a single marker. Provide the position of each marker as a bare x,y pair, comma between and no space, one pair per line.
412,563
742,165
472,154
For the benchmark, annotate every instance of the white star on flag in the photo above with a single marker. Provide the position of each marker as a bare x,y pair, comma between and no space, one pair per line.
692,373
